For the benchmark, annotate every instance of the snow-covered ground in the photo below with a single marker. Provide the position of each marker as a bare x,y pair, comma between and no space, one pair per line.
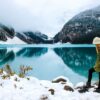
31,88
15,40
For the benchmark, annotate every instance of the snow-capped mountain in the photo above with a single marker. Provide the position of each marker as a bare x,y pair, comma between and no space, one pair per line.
6,32
9,36
82,28
32,37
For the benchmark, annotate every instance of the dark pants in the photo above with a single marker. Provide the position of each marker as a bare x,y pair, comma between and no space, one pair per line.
90,76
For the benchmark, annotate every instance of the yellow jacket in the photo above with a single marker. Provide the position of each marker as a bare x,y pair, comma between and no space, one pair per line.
97,64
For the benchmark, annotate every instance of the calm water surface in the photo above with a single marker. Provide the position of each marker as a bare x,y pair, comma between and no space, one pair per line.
50,61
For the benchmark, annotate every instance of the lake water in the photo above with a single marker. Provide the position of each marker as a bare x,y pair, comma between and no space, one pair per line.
50,61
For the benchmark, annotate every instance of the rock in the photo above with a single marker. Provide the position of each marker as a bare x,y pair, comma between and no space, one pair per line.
1,84
15,86
82,28
63,82
44,97
21,88
68,88
52,91
59,80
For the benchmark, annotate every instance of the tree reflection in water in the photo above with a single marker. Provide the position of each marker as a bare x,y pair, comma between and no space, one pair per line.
30,51
79,59
8,56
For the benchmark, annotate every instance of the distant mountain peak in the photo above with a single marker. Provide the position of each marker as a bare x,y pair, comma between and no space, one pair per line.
9,36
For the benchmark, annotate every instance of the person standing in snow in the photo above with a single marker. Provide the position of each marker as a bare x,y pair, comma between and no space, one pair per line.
96,67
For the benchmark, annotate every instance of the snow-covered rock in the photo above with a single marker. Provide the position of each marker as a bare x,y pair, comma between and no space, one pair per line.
31,88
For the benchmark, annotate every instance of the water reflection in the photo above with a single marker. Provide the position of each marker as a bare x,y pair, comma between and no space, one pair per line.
2,53
7,55
29,52
80,60
74,62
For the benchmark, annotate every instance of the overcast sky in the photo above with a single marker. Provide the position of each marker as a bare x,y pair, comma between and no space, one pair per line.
47,16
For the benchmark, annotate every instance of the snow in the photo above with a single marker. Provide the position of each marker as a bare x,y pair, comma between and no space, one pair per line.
31,88
15,40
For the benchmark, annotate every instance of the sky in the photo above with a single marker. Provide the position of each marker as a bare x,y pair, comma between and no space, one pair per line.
46,16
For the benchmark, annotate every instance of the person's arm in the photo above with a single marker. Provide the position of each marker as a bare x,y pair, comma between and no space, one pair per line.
96,48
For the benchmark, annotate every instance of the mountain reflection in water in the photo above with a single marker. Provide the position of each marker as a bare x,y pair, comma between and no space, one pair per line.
8,56
29,52
79,60
49,63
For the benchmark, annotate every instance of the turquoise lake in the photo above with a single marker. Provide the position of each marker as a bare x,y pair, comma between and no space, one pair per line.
51,61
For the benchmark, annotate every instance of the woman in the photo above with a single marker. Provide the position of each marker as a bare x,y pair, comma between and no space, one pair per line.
96,68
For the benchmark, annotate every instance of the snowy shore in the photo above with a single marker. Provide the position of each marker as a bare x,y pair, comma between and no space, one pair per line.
31,88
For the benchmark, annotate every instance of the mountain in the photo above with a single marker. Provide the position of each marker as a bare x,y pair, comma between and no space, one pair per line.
9,36
6,32
33,37
82,28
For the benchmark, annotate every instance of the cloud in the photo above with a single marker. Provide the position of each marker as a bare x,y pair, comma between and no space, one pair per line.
47,16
